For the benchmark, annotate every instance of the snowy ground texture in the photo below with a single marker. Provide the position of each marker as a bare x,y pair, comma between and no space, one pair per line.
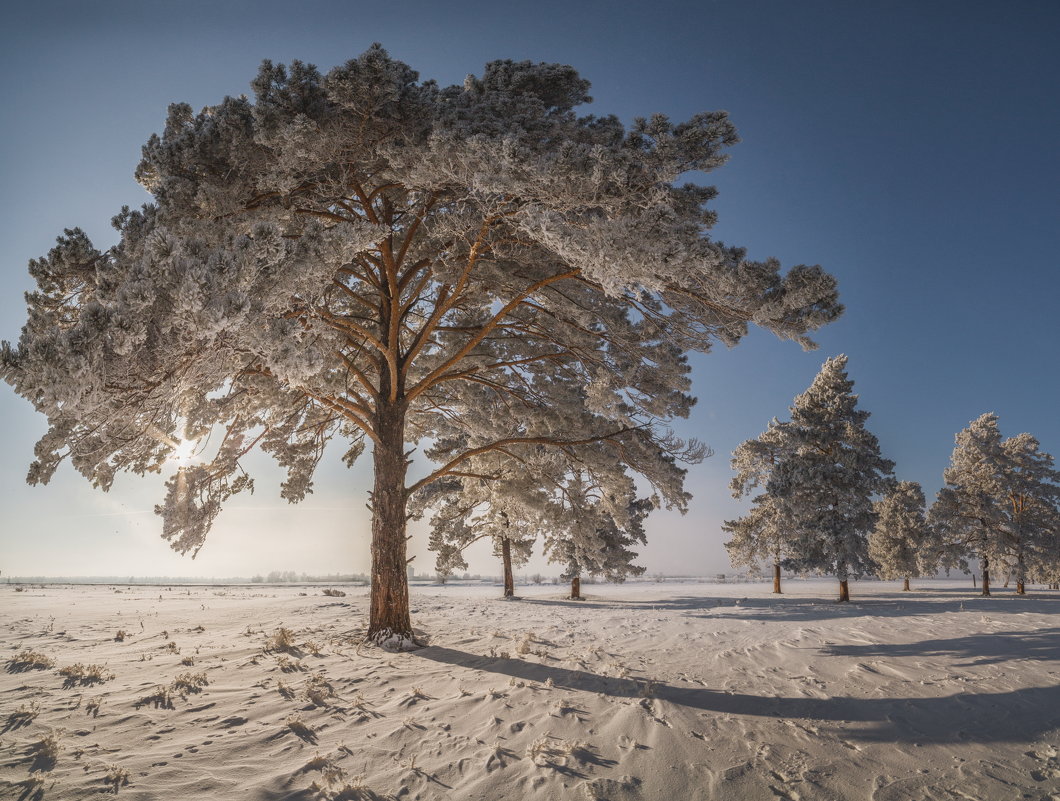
643,691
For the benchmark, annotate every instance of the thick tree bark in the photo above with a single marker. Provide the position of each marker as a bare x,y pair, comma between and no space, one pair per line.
776,578
509,579
1021,588
844,591
986,576
576,588
1021,575
905,587
388,614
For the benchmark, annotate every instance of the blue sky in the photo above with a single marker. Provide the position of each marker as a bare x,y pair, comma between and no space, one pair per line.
909,148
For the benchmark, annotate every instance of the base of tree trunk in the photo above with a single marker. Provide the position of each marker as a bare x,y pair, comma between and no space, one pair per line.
986,582
776,578
905,587
844,592
1021,588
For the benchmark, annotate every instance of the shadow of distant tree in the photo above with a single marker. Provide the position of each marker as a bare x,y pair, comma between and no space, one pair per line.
978,649
1014,716
802,609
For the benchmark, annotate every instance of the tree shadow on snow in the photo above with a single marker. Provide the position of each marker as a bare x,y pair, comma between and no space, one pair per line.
801,609
780,608
977,649
1016,716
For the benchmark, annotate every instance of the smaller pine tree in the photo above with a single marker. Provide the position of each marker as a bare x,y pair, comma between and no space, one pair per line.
826,484
760,535
898,545
594,535
1031,488
999,505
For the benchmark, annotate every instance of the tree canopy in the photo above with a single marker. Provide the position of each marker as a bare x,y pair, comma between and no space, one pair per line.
367,256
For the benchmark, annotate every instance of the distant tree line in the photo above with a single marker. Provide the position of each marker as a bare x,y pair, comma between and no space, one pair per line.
291,577
828,502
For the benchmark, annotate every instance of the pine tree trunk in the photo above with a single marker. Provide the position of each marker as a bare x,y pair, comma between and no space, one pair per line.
905,587
1021,575
986,576
509,579
776,578
388,614
844,591
576,588
1021,588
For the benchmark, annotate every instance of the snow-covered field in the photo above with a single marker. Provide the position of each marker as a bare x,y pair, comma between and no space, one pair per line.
643,691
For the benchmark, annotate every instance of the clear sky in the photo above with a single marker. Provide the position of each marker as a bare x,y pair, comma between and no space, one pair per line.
910,148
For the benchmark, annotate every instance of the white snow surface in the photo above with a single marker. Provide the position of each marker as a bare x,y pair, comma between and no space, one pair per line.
642,691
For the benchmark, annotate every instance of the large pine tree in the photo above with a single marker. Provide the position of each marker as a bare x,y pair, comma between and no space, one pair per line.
366,256
825,487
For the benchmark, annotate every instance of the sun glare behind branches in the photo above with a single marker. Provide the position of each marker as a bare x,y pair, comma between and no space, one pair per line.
183,452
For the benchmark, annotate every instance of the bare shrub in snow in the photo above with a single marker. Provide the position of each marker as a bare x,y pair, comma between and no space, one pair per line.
29,659
281,640
189,683
23,716
318,690
78,674
300,728
161,698
116,776
46,750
